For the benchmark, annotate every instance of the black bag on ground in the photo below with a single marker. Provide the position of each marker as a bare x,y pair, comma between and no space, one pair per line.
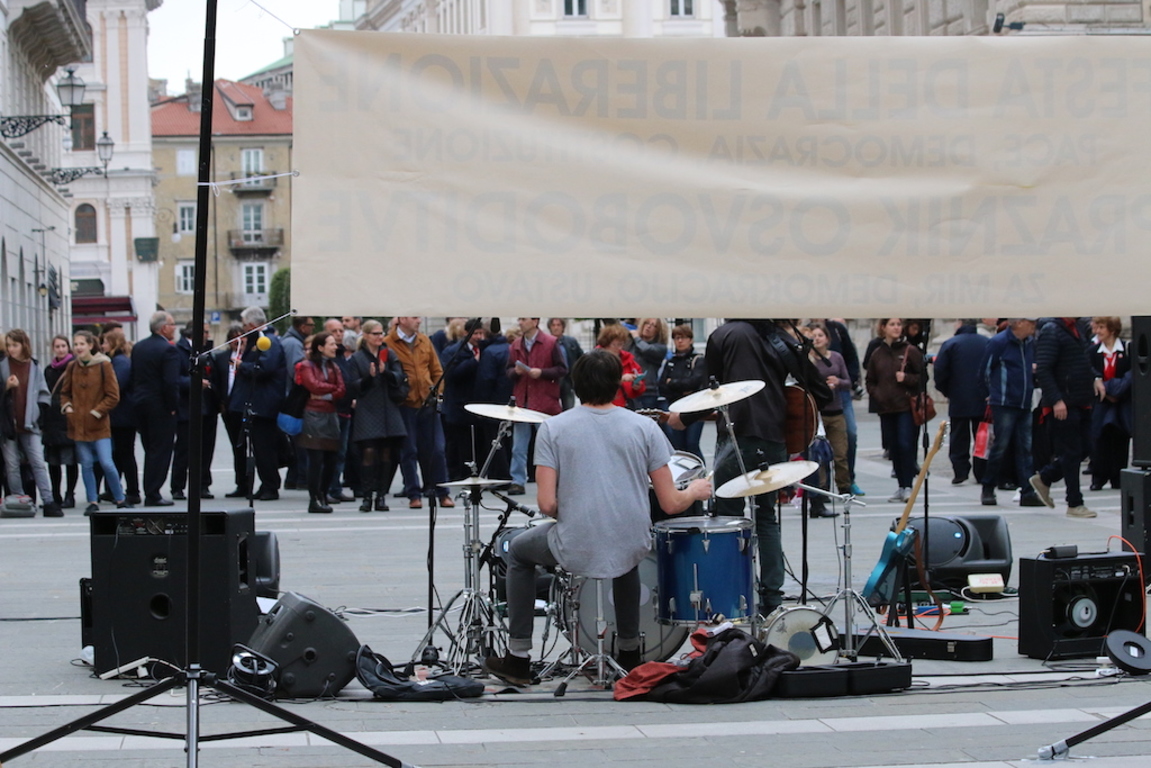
376,674
735,667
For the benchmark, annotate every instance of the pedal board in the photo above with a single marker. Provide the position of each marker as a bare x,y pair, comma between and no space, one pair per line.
925,644
861,678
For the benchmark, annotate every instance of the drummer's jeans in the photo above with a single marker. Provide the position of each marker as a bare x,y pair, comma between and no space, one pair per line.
530,549
766,523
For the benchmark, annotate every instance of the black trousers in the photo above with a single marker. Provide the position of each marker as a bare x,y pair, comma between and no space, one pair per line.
265,437
234,425
124,457
158,436
180,453
321,470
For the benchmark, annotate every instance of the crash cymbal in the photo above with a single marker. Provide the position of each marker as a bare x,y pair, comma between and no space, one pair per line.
472,482
711,398
766,480
507,413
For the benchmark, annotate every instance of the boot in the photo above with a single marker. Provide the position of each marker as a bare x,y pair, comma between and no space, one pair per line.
367,505
382,502
317,505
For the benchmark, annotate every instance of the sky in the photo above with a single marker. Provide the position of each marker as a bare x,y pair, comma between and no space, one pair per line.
247,37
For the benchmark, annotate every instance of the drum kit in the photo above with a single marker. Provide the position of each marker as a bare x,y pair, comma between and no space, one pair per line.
701,570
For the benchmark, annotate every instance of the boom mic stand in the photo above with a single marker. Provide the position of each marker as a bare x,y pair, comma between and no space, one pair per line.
193,676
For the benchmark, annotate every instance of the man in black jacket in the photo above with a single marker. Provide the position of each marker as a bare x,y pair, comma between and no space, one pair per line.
156,384
1063,371
257,394
740,350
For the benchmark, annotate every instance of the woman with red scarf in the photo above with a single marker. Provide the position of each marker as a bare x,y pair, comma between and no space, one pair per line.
613,338
1111,417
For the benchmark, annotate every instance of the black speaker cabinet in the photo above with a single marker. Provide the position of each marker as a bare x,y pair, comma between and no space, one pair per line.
958,547
315,649
1068,605
139,586
1141,390
266,562
1135,508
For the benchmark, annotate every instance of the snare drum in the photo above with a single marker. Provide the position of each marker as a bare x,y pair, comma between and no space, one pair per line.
684,467
577,609
704,569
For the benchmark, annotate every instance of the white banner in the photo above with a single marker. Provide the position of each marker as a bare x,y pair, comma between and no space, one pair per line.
592,177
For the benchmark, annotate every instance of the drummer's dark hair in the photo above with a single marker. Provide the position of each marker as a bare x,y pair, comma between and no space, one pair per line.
596,376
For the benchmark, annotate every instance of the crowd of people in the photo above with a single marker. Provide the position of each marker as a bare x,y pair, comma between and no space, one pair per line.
379,400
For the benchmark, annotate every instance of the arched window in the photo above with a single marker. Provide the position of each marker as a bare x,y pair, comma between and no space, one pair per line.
85,224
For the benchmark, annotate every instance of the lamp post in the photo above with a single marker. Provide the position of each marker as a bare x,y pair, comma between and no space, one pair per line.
70,89
104,148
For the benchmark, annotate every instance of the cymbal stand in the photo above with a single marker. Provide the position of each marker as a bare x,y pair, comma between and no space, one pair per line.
504,431
852,601
478,633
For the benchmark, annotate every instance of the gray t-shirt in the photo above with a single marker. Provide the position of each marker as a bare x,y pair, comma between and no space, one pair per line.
602,459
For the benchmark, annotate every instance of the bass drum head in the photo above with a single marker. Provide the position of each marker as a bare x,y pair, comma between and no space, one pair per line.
659,642
805,632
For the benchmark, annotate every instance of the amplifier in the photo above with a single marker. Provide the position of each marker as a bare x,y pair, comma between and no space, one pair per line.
1067,606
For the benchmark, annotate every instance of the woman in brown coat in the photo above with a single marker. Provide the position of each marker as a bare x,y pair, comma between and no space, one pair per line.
893,372
88,392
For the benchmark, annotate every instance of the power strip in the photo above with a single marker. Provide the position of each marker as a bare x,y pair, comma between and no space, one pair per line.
125,668
985,583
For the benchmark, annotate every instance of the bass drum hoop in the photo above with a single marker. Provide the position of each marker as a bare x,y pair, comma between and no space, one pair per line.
798,629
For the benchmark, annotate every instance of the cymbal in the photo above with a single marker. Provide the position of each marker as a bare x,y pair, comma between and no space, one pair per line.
709,399
472,482
766,480
507,413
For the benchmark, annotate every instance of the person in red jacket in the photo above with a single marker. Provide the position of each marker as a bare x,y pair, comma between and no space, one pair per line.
613,338
536,365
319,374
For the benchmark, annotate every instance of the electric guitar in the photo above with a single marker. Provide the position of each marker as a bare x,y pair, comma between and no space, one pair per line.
881,584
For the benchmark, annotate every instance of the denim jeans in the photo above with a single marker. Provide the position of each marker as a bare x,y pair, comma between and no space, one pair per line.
521,439
33,450
423,450
899,432
852,430
98,450
1010,426
687,439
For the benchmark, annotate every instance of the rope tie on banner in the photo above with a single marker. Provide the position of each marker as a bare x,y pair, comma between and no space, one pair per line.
215,185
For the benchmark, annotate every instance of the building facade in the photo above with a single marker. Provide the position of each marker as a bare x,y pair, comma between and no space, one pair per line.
249,235
37,40
610,18
114,266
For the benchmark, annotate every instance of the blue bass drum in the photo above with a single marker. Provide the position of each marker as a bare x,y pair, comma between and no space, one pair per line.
704,569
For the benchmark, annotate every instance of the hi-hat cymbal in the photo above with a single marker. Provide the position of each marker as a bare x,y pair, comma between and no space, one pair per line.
507,413
472,482
766,480
711,398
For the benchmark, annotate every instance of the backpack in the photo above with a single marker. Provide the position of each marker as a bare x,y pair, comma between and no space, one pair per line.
376,674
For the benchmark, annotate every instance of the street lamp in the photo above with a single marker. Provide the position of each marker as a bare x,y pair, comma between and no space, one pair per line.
70,89
104,148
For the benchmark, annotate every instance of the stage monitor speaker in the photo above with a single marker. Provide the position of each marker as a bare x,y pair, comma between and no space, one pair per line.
139,587
1067,606
958,547
315,649
1141,391
266,561
1135,509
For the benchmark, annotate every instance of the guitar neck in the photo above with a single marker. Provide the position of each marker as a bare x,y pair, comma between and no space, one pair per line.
922,475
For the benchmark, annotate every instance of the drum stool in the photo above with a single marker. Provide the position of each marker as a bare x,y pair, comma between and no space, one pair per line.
607,669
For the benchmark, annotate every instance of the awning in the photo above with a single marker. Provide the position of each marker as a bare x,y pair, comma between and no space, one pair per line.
96,310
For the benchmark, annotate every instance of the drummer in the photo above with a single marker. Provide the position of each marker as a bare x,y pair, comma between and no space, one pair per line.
593,467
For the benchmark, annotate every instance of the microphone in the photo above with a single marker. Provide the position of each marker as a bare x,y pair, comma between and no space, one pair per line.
513,505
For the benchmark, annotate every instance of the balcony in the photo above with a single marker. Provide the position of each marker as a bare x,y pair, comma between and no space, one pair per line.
248,241
51,32
252,188
238,300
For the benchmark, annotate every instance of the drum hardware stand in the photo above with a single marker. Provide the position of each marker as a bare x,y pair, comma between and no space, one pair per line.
852,600
604,663
478,631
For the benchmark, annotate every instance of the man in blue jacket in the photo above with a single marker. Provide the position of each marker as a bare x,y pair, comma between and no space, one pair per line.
258,394
1006,379
957,375
156,384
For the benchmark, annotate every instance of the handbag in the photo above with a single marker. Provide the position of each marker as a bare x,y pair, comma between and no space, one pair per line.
984,437
922,404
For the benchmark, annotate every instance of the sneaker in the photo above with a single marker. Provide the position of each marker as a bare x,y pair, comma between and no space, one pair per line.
1043,490
1031,500
856,490
959,480
513,670
69,501
93,507
516,490
901,496
53,509
987,498
1080,511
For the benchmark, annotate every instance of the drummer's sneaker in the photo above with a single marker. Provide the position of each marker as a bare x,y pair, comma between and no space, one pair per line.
629,660
515,489
513,670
